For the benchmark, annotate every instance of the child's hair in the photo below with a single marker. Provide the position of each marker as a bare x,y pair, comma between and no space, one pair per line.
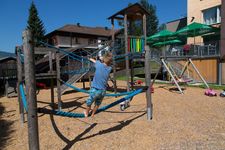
107,58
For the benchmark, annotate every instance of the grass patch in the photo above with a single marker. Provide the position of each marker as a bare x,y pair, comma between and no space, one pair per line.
213,86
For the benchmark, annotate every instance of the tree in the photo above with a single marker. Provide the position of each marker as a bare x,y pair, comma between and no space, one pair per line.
35,25
151,20
162,27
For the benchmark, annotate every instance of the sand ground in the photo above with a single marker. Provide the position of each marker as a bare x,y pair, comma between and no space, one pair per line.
180,122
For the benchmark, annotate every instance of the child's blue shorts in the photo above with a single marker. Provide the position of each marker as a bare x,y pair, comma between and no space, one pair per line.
95,96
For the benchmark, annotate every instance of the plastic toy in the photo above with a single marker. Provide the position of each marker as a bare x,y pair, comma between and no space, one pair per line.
222,94
124,105
210,92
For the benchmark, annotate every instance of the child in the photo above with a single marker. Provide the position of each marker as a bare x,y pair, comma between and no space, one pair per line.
99,83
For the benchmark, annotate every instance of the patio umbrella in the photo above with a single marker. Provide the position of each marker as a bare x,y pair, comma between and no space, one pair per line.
163,35
194,29
167,42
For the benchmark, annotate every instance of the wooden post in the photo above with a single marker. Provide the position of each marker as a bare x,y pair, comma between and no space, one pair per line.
6,86
30,81
19,80
147,73
114,62
58,81
51,80
126,50
148,82
132,72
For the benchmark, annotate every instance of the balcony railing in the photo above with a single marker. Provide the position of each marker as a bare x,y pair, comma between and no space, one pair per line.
200,51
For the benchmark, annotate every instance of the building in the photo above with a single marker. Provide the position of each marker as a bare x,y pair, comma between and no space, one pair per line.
208,12
76,35
177,24
8,73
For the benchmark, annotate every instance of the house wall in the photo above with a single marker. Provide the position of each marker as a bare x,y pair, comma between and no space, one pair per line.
209,73
8,68
223,73
176,24
194,9
66,41
208,68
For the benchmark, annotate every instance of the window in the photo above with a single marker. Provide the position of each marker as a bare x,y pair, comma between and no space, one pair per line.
75,40
212,15
91,41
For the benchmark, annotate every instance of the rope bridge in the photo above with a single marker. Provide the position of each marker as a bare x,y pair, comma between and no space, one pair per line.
76,115
81,115
86,91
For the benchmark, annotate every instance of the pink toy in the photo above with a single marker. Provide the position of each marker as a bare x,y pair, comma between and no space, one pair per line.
210,92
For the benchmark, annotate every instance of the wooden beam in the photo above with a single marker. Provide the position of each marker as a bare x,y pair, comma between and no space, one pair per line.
51,80
19,80
58,82
126,51
147,74
114,62
30,81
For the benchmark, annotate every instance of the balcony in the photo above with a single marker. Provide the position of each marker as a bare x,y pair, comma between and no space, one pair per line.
195,51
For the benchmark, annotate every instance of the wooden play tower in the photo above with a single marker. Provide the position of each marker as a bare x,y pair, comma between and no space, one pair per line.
128,15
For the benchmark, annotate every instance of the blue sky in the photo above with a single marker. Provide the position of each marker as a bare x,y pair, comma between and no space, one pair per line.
56,13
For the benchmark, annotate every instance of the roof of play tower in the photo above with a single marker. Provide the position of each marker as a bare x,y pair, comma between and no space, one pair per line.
135,11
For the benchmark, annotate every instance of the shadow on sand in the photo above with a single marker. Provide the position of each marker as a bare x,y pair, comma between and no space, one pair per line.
80,137
5,128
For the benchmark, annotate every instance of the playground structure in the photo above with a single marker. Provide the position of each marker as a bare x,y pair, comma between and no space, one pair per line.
29,100
133,45
135,49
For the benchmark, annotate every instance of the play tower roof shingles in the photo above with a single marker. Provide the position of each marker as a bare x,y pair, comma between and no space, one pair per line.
135,11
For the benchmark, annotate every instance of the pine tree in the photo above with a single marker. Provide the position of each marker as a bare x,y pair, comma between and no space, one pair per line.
151,20
35,24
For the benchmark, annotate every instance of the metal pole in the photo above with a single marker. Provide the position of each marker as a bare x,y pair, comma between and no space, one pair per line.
30,81
19,80
167,68
184,68
195,68
219,72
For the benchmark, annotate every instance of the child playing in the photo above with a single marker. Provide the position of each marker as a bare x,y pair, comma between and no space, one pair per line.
99,83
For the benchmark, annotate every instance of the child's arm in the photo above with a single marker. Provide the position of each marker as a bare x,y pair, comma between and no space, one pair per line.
92,60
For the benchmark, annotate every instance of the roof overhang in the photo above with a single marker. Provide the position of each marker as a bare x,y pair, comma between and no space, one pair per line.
135,11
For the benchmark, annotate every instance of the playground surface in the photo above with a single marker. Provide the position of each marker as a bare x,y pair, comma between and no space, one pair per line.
180,122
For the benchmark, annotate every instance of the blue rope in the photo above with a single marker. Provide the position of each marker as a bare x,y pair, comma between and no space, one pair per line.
21,56
81,115
71,55
121,56
85,91
80,71
23,96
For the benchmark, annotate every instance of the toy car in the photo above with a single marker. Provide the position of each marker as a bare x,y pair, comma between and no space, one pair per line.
124,105
210,92
222,94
